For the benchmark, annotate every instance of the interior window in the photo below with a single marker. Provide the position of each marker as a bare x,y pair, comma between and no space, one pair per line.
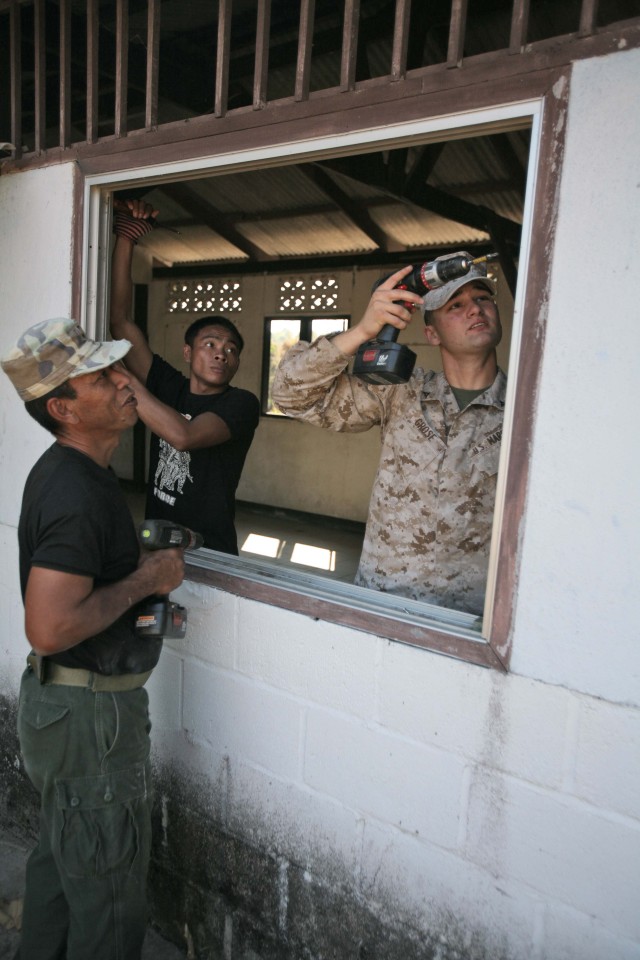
279,335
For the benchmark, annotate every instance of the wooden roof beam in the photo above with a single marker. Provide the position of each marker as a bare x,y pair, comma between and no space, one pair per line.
206,214
356,212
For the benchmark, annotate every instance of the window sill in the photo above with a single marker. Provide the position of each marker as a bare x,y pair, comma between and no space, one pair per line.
382,614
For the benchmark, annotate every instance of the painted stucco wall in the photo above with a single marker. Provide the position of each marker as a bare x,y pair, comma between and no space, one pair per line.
470,813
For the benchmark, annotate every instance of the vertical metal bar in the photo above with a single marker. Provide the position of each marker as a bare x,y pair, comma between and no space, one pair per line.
153,65
16,78
588,18
349,44
457,28
65,73
400,40
92,71
122,66
40,79
261,72
222,58
519,26
305,41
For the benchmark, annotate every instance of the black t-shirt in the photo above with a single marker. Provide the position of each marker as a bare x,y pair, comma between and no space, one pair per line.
75,519
196,488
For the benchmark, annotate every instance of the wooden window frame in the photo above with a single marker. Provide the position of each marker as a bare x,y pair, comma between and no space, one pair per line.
544,99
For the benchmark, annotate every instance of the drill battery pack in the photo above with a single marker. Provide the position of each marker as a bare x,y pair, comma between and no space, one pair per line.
161,618
384,361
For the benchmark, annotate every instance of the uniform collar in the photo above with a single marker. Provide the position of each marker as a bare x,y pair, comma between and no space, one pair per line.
437,387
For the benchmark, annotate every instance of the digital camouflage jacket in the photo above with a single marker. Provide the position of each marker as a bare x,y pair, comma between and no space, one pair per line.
430,517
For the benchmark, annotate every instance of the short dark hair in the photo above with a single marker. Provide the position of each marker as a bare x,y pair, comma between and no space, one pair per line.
213,321
38,408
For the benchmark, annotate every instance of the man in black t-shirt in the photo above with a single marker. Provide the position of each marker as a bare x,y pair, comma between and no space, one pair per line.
202,427
83,714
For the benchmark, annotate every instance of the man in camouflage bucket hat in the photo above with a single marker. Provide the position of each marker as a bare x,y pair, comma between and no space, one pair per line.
53,351
83,711
431,511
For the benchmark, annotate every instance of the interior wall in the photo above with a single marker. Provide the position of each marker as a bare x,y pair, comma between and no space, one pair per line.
293,464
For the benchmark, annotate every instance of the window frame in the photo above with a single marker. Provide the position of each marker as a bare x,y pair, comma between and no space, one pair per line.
366,610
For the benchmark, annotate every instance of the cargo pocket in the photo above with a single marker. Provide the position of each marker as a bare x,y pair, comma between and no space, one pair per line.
42,731
103,822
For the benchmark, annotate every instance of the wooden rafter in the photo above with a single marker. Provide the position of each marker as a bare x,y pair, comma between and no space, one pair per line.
206,214
355,211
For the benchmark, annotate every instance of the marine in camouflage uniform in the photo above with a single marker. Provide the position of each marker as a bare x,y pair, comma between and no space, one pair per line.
431,512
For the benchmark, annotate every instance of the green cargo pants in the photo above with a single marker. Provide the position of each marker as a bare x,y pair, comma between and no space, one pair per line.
87,754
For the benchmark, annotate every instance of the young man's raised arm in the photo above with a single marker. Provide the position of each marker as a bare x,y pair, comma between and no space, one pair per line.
121,322
205,430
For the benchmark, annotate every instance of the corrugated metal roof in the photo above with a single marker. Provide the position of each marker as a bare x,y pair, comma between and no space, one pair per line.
323,209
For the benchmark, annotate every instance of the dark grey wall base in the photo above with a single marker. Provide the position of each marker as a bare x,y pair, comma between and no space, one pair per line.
218,895
221,896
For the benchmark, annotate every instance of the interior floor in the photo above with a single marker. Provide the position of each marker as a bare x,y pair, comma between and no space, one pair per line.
323,545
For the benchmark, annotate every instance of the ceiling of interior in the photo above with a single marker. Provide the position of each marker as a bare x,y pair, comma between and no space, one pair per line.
377,207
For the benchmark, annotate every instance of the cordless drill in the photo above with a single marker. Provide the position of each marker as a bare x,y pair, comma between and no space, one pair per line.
384,361
158,616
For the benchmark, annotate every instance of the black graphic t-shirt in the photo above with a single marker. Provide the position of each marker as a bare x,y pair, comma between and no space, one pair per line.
197,487
74,519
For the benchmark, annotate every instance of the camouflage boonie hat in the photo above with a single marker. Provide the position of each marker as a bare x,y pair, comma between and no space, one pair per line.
437,298
53,351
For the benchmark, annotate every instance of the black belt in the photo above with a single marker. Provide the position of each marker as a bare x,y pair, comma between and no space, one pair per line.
49,672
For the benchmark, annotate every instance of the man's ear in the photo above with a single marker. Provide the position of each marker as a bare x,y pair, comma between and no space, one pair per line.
431,335
186,353
61,409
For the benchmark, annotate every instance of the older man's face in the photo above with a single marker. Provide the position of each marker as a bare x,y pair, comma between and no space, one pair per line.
105,400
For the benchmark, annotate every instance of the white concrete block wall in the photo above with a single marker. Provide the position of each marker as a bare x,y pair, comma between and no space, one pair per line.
441,789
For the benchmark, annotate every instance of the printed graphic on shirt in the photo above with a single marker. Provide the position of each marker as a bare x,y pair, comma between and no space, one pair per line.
172,471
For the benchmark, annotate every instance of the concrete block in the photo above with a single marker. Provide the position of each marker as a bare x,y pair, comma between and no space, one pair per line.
434,890
190,775
296,822
318,661
569,934
568,851
416,788
211,624
502,721
165,693
607,765
241,719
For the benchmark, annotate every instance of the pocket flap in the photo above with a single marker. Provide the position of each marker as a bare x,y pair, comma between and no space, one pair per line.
90,793
41,713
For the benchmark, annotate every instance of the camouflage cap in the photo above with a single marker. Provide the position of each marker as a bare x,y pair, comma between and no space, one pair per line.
437,298
53,351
